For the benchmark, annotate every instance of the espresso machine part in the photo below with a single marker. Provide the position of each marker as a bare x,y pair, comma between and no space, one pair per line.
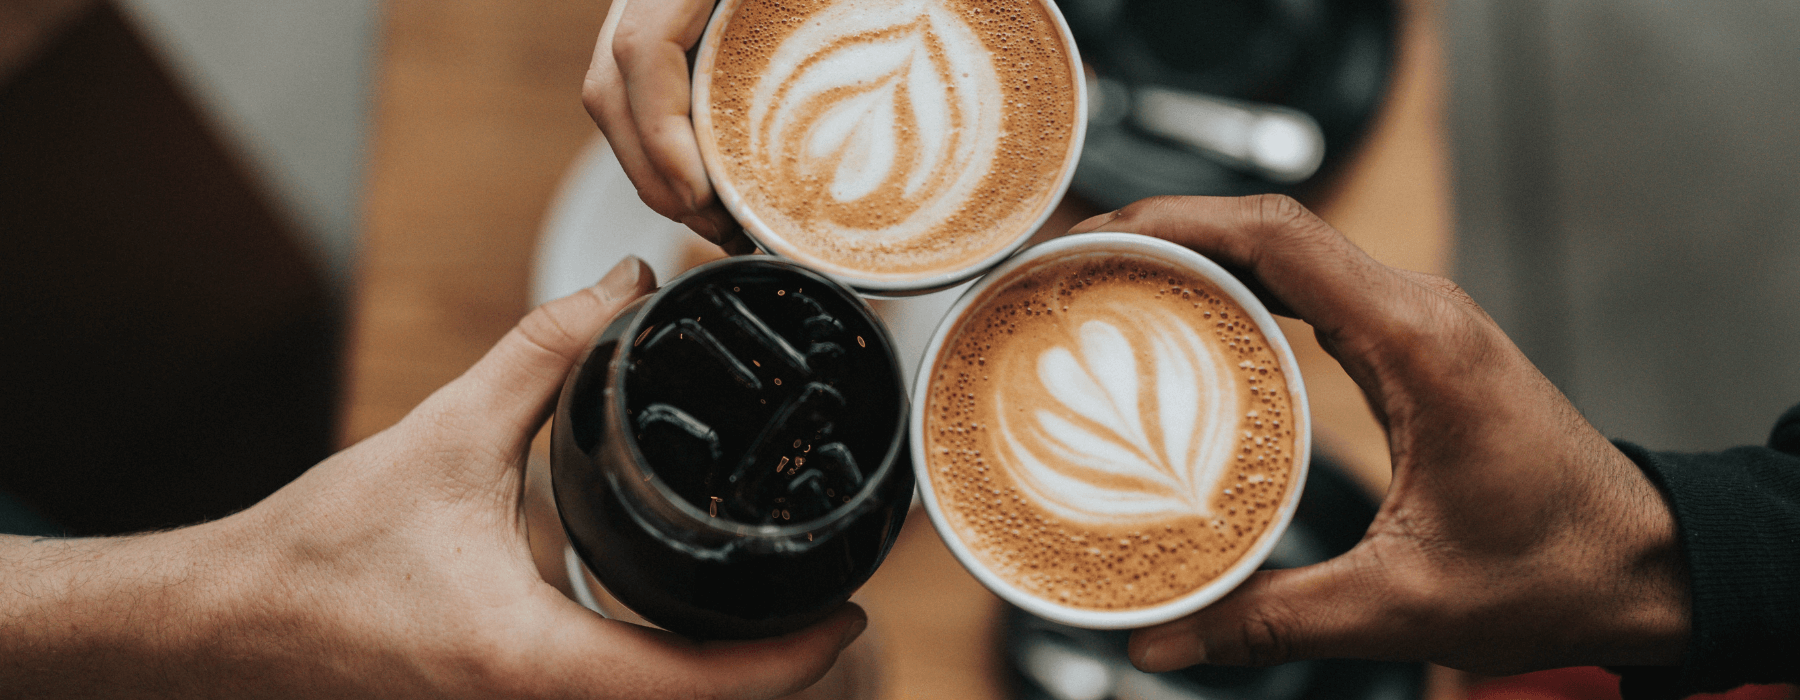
1278,144
1226,97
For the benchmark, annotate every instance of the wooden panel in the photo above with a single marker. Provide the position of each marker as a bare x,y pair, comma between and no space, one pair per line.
477,114
170,351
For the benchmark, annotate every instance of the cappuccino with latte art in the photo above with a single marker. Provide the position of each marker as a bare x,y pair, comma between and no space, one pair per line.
1105,428
900,145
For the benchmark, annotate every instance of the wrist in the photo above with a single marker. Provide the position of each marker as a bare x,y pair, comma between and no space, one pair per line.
113,616
1651,616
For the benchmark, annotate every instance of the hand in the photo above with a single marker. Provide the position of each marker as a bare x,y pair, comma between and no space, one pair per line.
637,90
1513,537
397,568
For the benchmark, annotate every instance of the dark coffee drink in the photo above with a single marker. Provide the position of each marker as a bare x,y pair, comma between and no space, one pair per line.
729,460
1108,430
889,141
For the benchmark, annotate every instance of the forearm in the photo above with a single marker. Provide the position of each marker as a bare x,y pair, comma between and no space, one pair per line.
113,617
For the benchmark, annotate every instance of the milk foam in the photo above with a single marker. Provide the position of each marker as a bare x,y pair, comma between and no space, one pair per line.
1108,432
893,136
897,102
1092,454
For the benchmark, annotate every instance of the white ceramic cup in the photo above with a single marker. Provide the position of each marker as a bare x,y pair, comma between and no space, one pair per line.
1109,243
884,285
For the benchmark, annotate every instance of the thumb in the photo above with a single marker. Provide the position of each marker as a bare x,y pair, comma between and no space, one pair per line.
1304,264
504,397
1334,609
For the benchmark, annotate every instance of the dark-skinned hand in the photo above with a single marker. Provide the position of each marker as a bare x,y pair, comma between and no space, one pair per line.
1513,536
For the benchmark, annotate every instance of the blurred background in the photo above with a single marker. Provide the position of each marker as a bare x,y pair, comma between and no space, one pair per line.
235,236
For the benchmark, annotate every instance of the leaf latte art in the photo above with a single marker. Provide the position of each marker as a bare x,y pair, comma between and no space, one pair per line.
1113,440
892,137
880,117
1108,431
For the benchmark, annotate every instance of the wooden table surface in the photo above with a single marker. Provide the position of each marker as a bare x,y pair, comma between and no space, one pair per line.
477,117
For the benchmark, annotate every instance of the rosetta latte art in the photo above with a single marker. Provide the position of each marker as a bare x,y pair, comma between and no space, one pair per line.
880,114
1119,440
1109,431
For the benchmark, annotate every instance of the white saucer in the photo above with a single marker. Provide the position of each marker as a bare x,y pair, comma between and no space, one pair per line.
597,218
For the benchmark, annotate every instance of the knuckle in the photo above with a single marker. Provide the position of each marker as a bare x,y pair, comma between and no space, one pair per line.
663,202
594,96
1448,289
1287,226
1264,639
545,332
1279,212
627,43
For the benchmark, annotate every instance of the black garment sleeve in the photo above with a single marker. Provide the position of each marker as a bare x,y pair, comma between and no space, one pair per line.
1737,513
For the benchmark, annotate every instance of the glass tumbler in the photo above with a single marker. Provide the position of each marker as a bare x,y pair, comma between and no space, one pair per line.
730,457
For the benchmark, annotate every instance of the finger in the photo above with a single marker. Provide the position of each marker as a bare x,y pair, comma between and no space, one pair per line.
603,94
505,396
657,664
1303,263
650,49
1337,609
737,242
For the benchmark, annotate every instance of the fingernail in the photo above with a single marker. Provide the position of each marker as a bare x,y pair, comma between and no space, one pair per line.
622,280
1094,223
703,226
852,632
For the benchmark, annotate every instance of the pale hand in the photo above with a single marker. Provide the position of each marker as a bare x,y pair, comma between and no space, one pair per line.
398,568
637,90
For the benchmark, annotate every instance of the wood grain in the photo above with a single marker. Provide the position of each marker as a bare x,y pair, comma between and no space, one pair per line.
477,114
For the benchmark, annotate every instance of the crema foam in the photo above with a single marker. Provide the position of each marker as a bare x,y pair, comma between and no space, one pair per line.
1108,431
893,138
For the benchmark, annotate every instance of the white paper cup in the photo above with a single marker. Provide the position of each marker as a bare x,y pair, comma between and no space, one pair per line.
871,283
1105,243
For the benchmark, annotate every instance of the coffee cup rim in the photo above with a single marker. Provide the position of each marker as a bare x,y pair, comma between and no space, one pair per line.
761,233
1189,602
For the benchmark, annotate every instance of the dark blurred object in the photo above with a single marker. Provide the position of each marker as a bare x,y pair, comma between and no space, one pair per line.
1328,59
26,26
170,352
1595,683
1049,661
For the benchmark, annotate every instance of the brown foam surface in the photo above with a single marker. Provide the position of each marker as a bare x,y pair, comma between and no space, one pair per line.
1120,562
792,195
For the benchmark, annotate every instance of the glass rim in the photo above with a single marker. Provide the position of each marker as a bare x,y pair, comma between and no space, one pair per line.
829,523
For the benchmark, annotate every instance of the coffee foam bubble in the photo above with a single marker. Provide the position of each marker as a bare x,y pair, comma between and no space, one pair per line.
1108,432
894,137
